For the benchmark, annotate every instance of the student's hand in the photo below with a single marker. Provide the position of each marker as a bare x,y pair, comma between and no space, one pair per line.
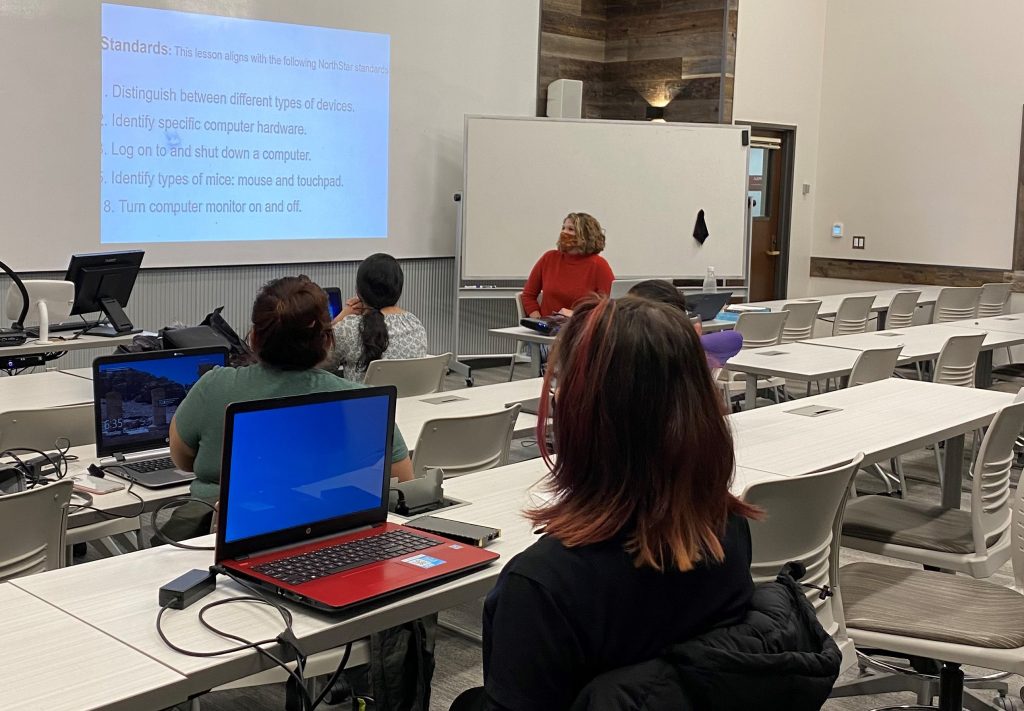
565,312
353,307
535,314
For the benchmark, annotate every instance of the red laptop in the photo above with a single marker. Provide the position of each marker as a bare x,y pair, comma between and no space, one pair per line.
303,502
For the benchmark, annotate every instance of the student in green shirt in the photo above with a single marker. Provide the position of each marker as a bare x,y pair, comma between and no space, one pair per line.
291,335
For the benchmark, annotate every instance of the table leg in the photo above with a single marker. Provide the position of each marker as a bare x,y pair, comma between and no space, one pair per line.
983,371
750,396
535,359
953,474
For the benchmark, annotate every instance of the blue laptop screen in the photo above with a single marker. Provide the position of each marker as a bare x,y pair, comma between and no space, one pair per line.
298,465
138,398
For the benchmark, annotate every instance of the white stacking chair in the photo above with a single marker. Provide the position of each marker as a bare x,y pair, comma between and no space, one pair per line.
32,529
994,299
760,329
853,315
956,365
520,315
956,303
803,517
42,428
900,313
975,542
800,324
958,360
462,445
955,619
871,366
412,376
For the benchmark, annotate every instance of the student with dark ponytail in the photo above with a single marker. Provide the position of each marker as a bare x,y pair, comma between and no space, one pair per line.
372,326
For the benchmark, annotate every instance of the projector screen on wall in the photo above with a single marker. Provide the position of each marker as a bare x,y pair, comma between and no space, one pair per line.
219,128
264,132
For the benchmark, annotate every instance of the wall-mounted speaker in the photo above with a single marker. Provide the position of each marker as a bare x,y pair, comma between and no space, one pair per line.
565,98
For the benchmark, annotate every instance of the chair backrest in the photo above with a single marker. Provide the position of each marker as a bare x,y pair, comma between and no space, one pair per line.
520,309
958,359
956,303
803,518
900,313
994,299
852,315
990,485
800,324
761,328
462,445
41,428
873,365
33,524
412,376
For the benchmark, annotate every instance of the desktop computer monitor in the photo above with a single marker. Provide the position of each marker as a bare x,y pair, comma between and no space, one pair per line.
103,282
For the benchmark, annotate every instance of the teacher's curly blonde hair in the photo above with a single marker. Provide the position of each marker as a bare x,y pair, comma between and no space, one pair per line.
589,231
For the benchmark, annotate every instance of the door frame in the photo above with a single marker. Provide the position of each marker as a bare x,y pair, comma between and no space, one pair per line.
785,200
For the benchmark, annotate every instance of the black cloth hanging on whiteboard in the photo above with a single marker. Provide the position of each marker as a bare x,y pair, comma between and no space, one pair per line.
700,229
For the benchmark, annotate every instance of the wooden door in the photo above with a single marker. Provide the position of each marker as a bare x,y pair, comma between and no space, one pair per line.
764,189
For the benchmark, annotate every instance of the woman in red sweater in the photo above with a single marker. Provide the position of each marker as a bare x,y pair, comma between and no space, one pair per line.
576,269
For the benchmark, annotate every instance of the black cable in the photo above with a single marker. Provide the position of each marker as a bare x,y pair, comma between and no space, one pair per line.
112,515
175,503
334,677
284,639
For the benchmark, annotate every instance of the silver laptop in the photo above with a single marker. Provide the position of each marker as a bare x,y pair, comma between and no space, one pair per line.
621,287
135,397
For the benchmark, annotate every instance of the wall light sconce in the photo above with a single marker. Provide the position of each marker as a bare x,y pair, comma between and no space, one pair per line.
656,113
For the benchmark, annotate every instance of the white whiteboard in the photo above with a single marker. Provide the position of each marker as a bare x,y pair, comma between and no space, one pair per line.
644,182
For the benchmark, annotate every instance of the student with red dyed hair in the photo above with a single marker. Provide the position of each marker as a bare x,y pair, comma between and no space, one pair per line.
643,545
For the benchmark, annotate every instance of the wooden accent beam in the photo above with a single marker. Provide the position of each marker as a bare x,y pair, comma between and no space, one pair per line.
908,273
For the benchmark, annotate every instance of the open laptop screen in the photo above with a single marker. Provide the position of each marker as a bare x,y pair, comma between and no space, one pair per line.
137,395
292,463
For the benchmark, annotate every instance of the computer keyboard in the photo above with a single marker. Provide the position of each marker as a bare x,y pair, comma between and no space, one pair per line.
76,325
328,561
150,465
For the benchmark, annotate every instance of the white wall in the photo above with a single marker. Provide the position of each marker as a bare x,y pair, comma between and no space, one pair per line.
779,50
909,124
920,130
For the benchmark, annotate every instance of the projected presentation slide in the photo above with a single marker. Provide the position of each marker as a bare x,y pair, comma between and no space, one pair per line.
217,128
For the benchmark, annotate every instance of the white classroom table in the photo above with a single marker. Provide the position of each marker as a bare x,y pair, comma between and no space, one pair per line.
69,343
85,373
127,613
43,390
60,663
883,298
795,361
924,342
411,413
535,340
882,419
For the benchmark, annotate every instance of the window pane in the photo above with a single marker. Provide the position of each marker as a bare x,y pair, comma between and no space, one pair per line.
757,181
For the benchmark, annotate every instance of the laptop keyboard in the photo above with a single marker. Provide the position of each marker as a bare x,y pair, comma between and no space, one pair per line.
150,465
328,561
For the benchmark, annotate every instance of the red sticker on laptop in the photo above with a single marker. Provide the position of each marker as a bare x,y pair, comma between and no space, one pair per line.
423,561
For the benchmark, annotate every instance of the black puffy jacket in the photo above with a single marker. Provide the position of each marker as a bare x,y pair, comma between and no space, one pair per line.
778,658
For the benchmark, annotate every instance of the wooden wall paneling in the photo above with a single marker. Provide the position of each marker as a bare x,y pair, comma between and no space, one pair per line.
635,53
907,273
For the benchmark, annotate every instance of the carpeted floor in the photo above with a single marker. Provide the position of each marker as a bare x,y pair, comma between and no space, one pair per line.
458,659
